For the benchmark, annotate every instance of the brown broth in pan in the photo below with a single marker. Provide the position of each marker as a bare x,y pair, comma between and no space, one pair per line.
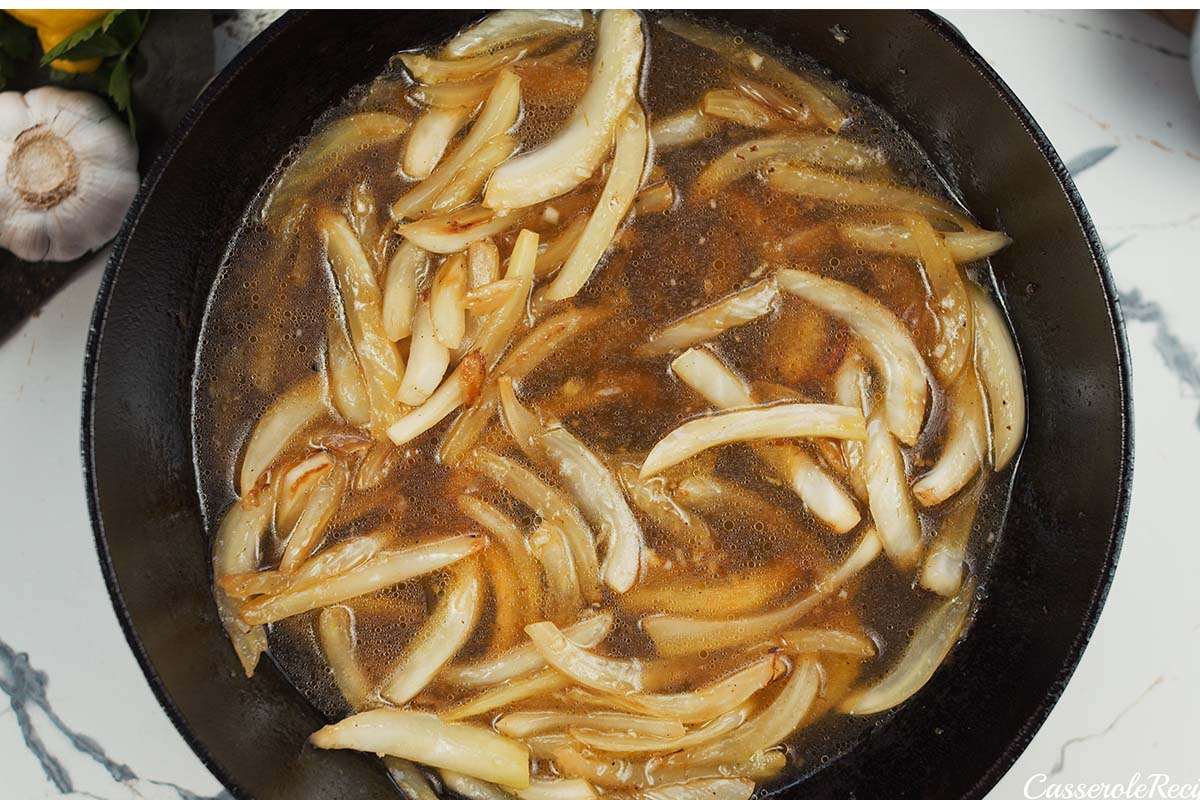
266,328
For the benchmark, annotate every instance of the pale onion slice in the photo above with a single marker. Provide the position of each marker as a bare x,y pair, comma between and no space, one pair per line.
446,296
1000,367
429,70
604,674
502,528
236,551
563,598
442,635
483,263
289,414
635,742
577,148
965,246
889,497
512,607
503,28
965,447
778,421
525,659
622,774
945,568
430,136
589,481
618,773
814,184
297,484
427,360
740,308
404,275
498,115
551,505
385,569
728,593
733,106
710,377
702,789
455,231
884,337
600,497
379,461
852,388
683,129
409,779
470,180
770,97
525,356
832,152
318,511
711,700
931,642
346,387
824,640
458,94
421,737
490,296
677,635
820,491
334,560
738,53
382,367
684,528
624,178
338,140
555,252
725,499
335,633
655,198
523,724
524,687
770,726
558,789
472,788
707,375
948,301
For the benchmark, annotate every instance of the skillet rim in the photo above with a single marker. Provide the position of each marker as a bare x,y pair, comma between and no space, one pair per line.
941,27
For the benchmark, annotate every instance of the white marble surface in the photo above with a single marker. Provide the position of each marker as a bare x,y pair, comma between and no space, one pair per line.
1112,90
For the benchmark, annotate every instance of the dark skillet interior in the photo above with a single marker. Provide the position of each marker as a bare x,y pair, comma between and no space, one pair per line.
1052,567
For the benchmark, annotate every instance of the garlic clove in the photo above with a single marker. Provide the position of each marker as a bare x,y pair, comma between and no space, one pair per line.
69,173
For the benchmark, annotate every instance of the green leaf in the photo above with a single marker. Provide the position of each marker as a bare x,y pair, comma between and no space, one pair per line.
127,28
119,90
61,76
101,45
119,85
65,48
16,40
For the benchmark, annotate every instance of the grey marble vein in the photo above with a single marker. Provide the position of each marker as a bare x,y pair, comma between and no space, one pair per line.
1088,159
1062,750
1109,249
1180,358
25,687
1121,37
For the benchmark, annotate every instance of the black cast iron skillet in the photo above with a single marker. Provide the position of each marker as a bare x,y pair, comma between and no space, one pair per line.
1054,561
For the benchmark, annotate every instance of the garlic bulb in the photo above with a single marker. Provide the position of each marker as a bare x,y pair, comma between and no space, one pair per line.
70,172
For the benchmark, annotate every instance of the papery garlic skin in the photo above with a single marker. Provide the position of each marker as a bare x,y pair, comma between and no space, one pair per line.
69,173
